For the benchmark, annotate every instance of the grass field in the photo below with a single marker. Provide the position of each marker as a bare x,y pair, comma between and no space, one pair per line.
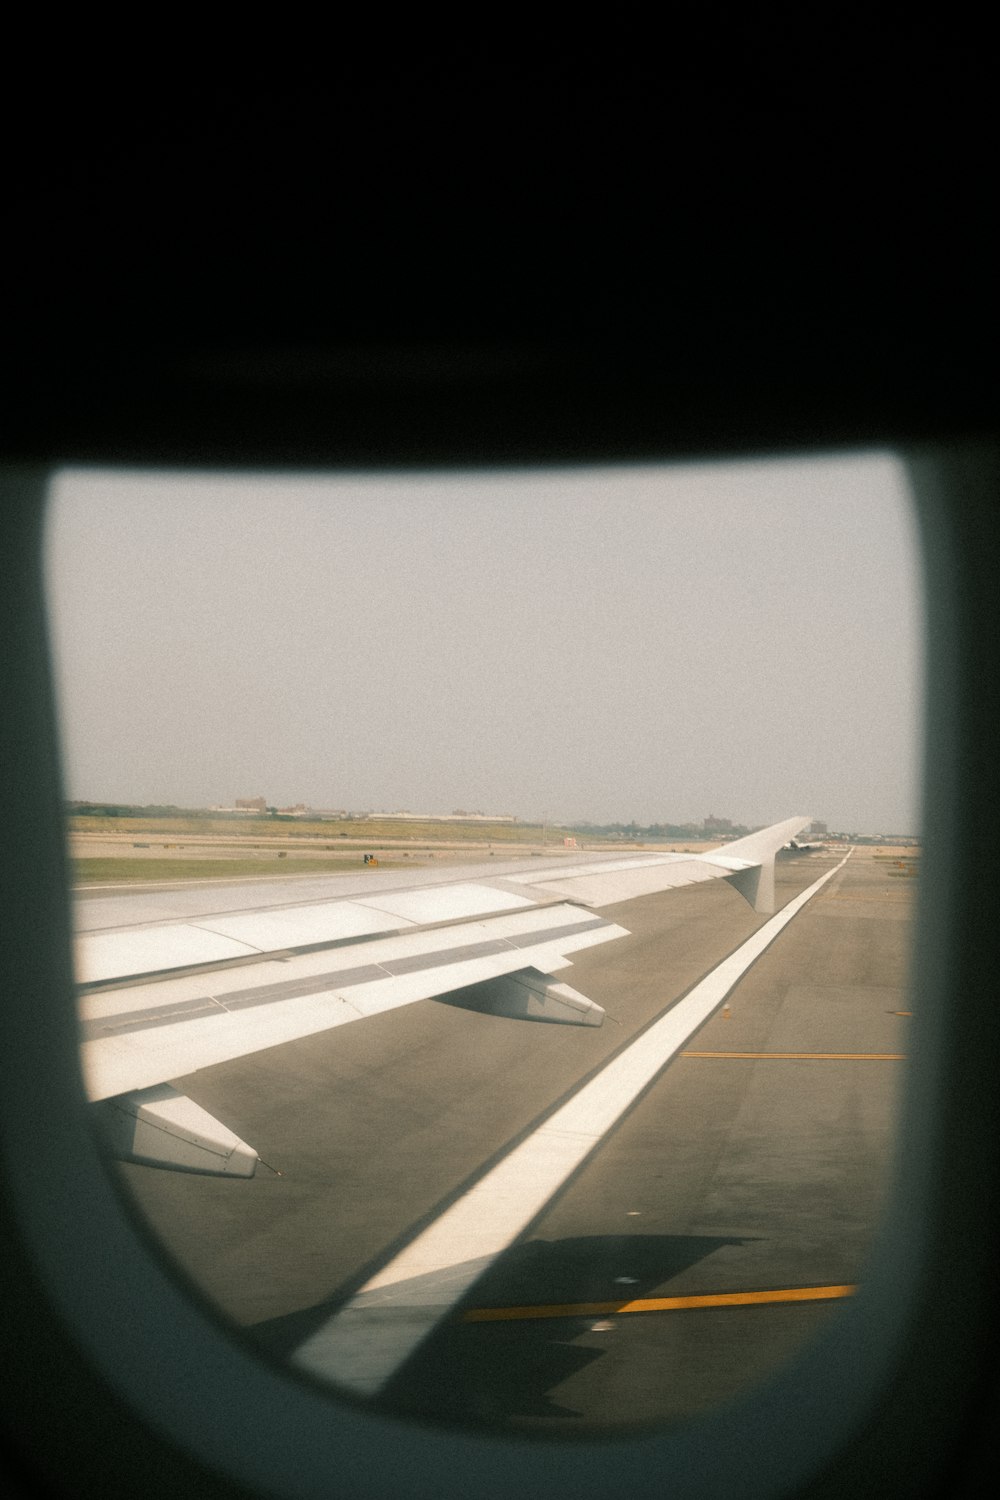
365,830
132,871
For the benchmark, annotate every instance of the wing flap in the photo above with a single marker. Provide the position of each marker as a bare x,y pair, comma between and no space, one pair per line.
372,951
155,948
149,1033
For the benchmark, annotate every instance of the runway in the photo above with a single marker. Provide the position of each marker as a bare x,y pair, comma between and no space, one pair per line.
717,1225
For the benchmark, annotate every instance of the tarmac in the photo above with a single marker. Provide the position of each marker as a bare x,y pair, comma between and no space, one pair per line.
712,1233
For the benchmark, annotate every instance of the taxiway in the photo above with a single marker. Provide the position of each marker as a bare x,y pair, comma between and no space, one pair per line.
721,1221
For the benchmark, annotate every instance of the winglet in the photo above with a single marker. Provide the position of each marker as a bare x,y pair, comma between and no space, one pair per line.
756,885
755,882
756,847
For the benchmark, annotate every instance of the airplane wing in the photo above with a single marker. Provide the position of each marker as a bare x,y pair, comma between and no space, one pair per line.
185,978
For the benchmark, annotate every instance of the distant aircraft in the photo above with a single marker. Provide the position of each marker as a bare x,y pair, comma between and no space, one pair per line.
188,980
794,847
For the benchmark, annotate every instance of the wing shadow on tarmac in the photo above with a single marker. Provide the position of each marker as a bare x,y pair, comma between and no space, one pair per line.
489,1372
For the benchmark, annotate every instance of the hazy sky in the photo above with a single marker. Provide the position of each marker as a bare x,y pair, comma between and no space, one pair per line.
649,643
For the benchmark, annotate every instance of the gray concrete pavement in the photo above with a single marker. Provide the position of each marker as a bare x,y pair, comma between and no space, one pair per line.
732,1174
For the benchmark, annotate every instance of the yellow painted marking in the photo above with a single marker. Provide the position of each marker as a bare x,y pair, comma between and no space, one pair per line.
816,1056
659,1304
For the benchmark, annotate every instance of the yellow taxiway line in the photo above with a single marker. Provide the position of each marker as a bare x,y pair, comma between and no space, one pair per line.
659,1304
364,1342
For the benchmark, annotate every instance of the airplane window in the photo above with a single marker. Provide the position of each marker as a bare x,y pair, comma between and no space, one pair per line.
594,796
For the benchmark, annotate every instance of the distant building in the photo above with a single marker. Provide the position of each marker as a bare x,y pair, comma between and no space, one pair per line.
251,804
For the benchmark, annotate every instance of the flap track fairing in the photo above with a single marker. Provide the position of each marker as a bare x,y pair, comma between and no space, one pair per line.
161,1128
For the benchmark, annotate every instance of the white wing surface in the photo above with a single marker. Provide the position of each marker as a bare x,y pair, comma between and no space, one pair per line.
177,980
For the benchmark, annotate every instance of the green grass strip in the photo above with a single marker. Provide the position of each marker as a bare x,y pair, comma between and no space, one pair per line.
137,871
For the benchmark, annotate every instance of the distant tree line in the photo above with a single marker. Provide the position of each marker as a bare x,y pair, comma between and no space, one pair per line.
123,810
161,810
